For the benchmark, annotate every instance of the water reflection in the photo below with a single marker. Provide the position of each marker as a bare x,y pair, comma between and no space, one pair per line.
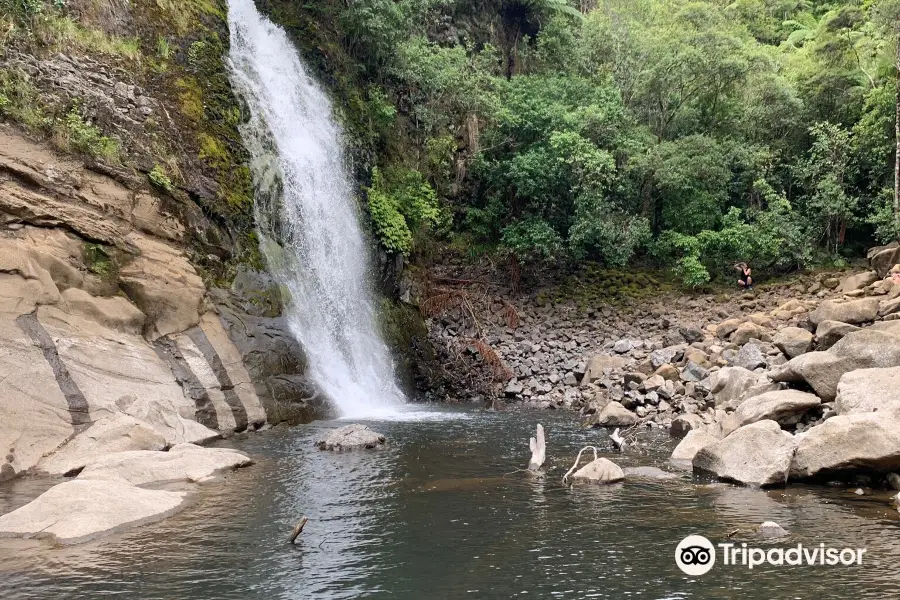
444,512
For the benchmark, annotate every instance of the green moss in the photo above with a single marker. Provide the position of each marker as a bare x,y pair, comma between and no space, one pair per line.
99,260
190,98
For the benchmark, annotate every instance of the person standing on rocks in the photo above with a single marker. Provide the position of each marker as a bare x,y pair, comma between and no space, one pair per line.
745,276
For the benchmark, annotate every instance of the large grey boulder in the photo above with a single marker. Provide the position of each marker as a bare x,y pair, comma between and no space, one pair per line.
183,463
829,333
116,433
882,258
666,355
758,454
601,470
79,510
863,310
869,390
350,437
846,444
863,349
793,341
783,406
858,281
614,415
750,357
600,363
734,385
693,442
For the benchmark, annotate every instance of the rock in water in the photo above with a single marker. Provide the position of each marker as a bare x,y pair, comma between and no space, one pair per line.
771,529
184,462
77,511
693,442
849,443
615,415
600,470
757,454
350,437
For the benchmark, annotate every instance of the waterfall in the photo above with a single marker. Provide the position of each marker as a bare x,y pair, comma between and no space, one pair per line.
308,217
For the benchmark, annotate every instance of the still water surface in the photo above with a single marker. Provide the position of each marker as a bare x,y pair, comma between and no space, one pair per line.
440,513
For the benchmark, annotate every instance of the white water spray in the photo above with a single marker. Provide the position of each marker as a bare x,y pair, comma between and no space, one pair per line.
308,218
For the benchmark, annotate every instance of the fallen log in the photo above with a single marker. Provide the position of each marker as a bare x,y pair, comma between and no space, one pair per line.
298,528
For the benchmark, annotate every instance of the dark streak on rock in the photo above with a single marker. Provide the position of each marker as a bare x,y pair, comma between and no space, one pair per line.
215,362
205,413
78,406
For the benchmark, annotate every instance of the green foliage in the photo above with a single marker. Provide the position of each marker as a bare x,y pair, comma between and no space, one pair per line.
98,259
159,178
73,132
20,100
404,208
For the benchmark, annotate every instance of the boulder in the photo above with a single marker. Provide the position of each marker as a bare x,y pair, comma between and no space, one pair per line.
693,442
882,258
746,332
79,510
828,333
734,385
783,406
600,363
183,463
793,341
691,334
869,390
858,281
863,310
622,347
682,424
758,454
750,357
601,470
666,355
117,433
847,444
668,372
727,327
350,437
614,415
868,348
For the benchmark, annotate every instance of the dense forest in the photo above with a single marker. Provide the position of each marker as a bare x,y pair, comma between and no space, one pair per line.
686,134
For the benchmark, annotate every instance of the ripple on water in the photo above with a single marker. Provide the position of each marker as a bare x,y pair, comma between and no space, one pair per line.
441,512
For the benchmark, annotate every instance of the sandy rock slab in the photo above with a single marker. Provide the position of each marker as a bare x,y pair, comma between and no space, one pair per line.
78,511
184,463
350,437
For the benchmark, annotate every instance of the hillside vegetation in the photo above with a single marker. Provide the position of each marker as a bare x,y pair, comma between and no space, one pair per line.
688,134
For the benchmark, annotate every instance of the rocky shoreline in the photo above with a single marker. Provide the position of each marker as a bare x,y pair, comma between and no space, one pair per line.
790,382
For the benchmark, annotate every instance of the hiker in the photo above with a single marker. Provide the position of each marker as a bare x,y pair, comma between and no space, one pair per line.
745,279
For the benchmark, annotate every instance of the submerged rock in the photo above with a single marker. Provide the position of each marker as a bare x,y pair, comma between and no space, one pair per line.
80,510
350,437
771,529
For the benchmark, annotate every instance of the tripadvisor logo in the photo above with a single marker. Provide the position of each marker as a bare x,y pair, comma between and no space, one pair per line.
695,555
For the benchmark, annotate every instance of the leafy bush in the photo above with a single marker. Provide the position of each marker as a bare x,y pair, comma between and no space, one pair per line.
403,207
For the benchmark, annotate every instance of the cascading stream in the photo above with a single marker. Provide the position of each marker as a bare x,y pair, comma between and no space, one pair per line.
308,217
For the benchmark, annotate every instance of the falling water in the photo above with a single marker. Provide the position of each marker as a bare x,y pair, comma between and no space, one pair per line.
308,217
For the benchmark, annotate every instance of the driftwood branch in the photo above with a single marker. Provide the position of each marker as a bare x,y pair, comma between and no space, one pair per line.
298,529
577,460
538,449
